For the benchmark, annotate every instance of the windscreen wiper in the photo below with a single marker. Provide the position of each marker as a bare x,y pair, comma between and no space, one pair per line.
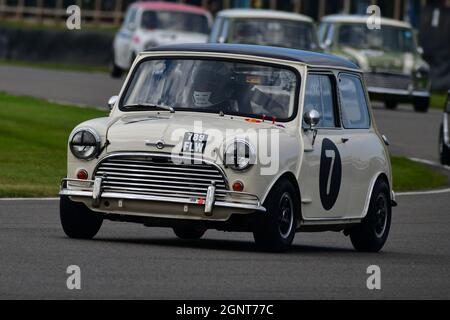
150,105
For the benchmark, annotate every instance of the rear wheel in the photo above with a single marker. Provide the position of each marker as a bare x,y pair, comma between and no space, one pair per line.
77,220
189,232
115,71
421,104
371,234
391,105
274,230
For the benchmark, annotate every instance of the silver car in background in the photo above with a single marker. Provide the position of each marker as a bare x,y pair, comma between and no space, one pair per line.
265,27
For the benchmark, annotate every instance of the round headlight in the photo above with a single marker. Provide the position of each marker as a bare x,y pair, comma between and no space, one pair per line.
85,143
239,155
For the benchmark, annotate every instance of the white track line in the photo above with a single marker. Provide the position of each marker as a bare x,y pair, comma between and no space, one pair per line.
418,193
431,163
410,193
425,192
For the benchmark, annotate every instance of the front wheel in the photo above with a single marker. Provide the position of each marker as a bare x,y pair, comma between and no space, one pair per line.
189,232
274,230
77,220
371,234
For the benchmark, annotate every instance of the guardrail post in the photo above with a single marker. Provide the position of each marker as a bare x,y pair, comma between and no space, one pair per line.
118,12
19,9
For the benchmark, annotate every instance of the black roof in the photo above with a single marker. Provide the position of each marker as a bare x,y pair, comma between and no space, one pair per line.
307,57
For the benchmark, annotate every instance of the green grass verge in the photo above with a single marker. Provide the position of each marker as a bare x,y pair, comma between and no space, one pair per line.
56,66
409,175
33,140
54,25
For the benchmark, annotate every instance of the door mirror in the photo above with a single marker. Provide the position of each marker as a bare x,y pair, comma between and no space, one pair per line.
112,101
312,118
420,50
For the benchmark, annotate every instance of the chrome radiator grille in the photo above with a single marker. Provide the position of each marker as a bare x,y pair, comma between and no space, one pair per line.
386,80
159,175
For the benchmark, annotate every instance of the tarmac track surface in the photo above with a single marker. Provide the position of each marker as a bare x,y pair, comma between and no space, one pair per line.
131,261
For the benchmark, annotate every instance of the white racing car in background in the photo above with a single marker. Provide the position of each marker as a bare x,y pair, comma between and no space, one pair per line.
150,24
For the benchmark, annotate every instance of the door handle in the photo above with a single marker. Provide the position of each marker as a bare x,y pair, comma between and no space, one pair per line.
344,140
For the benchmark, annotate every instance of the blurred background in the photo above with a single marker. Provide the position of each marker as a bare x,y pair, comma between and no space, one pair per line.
35,30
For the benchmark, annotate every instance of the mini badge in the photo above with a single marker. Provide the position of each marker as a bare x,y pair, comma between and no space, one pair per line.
194,142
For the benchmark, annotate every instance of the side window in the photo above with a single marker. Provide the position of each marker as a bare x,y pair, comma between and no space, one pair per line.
214,36
130,20
354,109
319,95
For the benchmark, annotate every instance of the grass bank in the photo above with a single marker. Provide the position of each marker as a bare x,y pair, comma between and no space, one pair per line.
33,139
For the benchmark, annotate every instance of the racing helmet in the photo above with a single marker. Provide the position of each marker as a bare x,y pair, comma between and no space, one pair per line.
212,85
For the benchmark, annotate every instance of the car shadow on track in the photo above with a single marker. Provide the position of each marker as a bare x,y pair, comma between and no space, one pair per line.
218,244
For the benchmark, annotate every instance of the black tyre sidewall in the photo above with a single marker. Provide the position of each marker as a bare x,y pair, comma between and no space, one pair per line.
363,236
421,104
189,232
266,231
77,220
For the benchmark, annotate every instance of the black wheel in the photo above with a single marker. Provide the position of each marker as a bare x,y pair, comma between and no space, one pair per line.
77,220
274,230
189,232
421,104
444,150
391,105
116,72
371,234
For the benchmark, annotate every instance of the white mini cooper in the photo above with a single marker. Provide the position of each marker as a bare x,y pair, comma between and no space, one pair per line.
236,138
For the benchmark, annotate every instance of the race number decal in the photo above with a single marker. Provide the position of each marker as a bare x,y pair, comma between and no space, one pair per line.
194,142
330,174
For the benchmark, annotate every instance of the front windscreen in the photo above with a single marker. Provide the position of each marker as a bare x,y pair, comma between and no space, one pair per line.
214,86
387,38
274,32
175,21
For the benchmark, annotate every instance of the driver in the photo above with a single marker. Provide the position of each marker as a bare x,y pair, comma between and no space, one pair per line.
212,88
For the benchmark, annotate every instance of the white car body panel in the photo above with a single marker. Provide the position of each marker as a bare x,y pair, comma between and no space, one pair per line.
364,155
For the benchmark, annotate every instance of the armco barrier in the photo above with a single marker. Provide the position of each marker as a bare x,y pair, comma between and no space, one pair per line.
56,46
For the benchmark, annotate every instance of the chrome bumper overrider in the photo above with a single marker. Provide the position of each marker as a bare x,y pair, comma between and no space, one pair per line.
93,189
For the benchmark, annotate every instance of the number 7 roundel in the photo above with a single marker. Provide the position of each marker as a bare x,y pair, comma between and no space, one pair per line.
330,174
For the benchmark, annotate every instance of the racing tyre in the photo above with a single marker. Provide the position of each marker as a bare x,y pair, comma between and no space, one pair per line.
274,230
444,150
116,72
189,232
77,220
391,105
421,104
371,234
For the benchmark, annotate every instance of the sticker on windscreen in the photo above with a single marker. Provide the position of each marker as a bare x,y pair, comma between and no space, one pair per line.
194,142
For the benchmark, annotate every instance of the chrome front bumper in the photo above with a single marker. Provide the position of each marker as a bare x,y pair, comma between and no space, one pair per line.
92,189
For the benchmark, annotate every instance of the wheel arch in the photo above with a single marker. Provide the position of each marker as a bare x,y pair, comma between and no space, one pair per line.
380,176
290,176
